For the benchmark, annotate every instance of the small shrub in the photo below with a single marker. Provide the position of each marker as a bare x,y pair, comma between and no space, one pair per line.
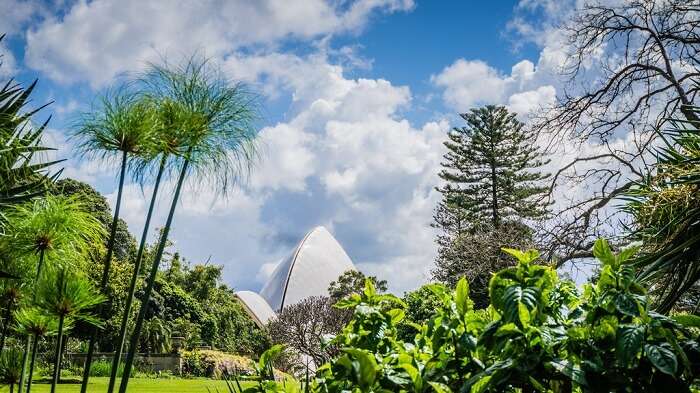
214,364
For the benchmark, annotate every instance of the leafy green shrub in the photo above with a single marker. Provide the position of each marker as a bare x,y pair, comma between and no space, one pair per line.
540,334
102,368
214,364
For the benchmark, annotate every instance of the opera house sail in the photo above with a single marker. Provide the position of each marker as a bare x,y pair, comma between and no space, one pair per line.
315,262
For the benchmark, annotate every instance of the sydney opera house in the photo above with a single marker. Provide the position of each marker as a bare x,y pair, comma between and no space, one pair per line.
315,262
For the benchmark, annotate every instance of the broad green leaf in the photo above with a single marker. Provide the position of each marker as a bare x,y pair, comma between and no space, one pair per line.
536,384
571,370
601,250
626,305
662,358
440,387
397,315
687,320
367,366
370,291
507,330
480,385
629,342
628,252
270,355
524,314
462,296
522,257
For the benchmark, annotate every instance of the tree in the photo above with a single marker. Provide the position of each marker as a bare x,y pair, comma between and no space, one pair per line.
629,66
420,307
12,290
69,297
49,229
119,125
156,336
353,281
37,324
491,187
96,204
306,326
666,215
213,119
10,367
477,254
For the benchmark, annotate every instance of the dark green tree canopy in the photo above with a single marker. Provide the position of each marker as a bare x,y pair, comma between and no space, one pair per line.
490,168
492,188
96,204
353,281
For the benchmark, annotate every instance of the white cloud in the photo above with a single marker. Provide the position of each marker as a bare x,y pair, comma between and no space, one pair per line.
286,158
529,101
97,40
8,64
14,14
467,83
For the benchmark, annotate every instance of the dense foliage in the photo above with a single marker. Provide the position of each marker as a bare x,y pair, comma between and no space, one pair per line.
539,334
22,174
194,304
491,185
666,210
353,281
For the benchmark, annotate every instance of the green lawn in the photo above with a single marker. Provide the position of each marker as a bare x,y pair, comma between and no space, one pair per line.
138,385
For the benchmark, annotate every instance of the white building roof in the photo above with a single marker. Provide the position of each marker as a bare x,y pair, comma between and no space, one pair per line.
256,307
317,261
313,264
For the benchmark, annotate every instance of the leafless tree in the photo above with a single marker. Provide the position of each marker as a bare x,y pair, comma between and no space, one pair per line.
305,326
477,254
630,66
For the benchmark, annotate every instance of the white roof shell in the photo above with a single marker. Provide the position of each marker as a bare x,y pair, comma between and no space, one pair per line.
317,261
256,307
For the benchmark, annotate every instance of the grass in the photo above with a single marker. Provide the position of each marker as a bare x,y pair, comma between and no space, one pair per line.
140,385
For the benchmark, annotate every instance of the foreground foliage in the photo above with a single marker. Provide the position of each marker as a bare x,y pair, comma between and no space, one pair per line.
540,334
666,210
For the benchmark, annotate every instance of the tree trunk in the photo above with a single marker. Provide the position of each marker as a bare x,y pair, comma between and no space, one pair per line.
105,272
32,362
494,196
57,359
133,344
132,285
28,340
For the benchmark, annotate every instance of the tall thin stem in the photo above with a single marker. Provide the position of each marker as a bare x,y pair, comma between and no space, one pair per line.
28,340
132,285
105,271
133,344
57,360
32,362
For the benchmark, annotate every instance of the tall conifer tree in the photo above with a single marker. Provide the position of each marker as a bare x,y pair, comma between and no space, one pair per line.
492,187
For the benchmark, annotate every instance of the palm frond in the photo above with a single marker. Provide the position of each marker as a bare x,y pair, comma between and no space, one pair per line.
119,122
23,174
62,292
204,118
59,225
666,208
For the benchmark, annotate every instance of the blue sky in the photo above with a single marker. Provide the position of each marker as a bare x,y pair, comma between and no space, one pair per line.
357,95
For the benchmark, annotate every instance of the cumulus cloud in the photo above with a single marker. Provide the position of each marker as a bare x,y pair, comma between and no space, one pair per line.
348,160
469,83
15,13
97,40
